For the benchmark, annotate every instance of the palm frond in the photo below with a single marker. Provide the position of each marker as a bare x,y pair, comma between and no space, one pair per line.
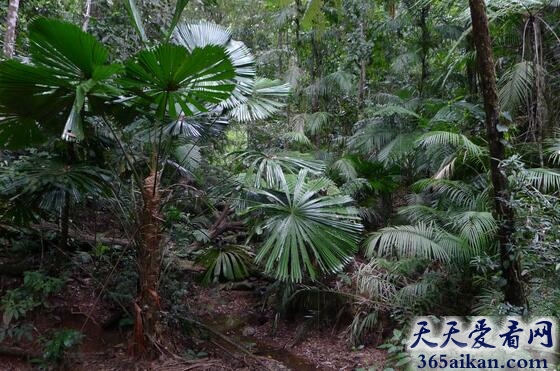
296,137
420,241
516,86
200,35
271,168
345,168
306,232
316,122
456,140
459,193
227,263
478,228
262,102
418,213
175,79
546,180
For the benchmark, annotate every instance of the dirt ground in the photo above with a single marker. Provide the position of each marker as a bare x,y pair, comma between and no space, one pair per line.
235,332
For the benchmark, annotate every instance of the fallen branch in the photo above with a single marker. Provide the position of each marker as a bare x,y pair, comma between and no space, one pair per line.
19,353
219,227
82,236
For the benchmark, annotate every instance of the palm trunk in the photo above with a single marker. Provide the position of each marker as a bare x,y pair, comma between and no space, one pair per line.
65,211
511,267
146,329
11,23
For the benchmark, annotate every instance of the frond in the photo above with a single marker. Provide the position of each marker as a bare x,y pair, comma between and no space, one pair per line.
419,293
370,135
354,187
420,241
306,232
316,122
345,168
553,149
272,168
390,110
453,191
378,283
331,84
399,147
227,263
546,180
296,137
418,213
263,101
446,138
201,35
516,86
478,228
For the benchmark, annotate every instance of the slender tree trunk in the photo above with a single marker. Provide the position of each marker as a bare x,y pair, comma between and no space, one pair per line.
87,14
146,325
297,23
471,70
540,111
11,23
425,48
315,71
65,211
514,293
363,65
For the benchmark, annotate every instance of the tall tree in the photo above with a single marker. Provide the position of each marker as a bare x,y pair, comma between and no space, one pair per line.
87,15
513,290
11,23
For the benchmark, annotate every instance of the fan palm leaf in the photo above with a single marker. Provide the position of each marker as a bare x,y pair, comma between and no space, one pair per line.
262,102
307,232
200,35
272,168
68,68
178,80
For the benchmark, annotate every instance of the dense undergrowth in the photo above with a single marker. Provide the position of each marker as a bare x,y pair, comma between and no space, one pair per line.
348,174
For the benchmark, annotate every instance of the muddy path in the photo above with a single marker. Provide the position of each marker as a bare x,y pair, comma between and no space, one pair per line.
239,315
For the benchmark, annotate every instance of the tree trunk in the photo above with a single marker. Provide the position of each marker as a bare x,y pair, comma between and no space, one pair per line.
472,82
514,293
65,210
425,48
87,14
297,24
11,23
539,111
146,325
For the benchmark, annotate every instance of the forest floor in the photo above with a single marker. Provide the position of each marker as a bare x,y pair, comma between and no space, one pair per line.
232,329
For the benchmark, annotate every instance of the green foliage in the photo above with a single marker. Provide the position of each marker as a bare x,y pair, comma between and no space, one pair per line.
225,263
42,183
397,356
171,77
306,231
59,343
56,84
36,288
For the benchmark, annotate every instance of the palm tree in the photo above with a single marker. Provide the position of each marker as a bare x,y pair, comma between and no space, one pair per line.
57,85
69,73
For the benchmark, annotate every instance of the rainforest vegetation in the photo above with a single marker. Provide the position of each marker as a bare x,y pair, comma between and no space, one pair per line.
271,184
